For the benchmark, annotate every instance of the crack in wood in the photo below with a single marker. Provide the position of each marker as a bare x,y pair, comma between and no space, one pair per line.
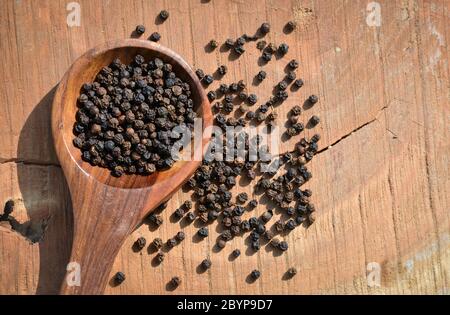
27,162
354,130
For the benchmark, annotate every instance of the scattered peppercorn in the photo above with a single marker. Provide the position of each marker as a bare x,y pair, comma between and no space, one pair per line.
261,75
283,246
180,236
157,243
163,15
200,74
213,44
175,281
212,95
155,37
314,120
140,29
298,83
171,242
291,76
119,277
236,253
291,272
208,79
283,49
203,232
261,44
255,274
222,70
313,99
206,264
265,28
160,257
140,243
291,25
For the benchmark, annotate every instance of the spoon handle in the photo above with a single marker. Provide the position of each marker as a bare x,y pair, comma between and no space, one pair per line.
103,218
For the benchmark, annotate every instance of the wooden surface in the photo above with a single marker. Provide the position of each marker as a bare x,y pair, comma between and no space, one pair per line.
107,209
381,189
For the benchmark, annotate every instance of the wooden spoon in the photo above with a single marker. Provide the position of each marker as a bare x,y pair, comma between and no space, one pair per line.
107,209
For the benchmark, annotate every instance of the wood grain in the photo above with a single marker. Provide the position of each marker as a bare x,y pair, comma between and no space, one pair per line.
380,181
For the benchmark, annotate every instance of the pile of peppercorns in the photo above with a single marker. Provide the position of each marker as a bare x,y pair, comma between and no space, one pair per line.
126,116
212,182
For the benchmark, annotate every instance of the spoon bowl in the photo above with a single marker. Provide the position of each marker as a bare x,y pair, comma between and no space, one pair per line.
106,209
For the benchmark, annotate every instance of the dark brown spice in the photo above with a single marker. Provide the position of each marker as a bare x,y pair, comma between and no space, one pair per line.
163,15
155,37
140,243
175,282
157,243
140,29
119,277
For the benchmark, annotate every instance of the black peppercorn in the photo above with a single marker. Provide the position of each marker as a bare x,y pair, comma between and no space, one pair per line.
314,120
140,29
242,197
155,37
157,243
291,25
222,70
261,44
236,253
180,236
163,15
213,44
283,49
283,246
200,74
266,56
291,76
206,264
252,99
282,85
171,242
208,79
261,75
291,272
265,28
223,88
119,277
156,219
313,99
175,281
140,243
266,216
256,245
255,274
293,64
290,224
239,49
212,95
252,203
203,232
190,216
298,83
